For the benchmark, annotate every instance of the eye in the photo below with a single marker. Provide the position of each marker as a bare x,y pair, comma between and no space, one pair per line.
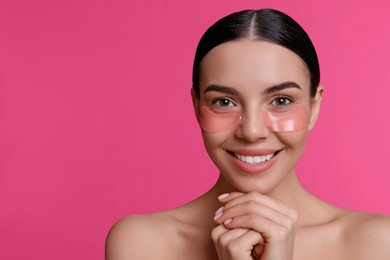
223,102
282,101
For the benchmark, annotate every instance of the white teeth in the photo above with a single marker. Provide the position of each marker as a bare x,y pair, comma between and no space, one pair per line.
249,159
254,159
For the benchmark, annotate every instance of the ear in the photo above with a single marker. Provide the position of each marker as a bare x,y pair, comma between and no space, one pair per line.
315,107
195,103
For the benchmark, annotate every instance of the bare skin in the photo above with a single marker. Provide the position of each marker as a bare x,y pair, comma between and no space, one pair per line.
326,232
263,214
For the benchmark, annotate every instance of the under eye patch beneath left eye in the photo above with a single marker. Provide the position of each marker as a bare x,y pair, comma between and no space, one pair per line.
213,122
293,120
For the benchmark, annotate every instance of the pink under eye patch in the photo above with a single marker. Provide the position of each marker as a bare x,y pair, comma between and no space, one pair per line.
293,120
213,122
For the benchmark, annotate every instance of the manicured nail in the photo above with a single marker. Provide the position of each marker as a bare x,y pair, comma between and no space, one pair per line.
222,196
219,210
227,221
218,216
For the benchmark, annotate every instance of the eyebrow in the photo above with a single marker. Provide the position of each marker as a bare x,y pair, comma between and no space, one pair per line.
281,86
222,89
270,90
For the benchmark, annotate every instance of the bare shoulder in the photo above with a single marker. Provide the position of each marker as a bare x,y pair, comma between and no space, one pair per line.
367,235
139,237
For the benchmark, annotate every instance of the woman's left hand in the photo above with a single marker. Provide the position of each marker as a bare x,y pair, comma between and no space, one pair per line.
273,220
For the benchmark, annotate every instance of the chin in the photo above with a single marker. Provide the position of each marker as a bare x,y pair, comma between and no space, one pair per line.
265,183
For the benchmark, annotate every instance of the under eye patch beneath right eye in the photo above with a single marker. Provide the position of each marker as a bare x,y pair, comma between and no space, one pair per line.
213,122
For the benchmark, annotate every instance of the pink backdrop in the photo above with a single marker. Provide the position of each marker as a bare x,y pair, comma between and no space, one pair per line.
96,119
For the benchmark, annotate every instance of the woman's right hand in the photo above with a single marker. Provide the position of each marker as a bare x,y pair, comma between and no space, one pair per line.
236,244
254,226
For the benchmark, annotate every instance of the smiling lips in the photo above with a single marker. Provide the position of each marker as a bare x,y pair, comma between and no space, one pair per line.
254,159
254,162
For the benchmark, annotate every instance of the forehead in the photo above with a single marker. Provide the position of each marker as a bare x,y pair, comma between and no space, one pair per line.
252,63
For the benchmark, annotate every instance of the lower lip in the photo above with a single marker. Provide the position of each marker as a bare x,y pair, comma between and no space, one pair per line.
256,168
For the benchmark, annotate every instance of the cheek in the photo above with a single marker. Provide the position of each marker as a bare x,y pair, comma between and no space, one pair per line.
294,120
213,142
212,122
295,141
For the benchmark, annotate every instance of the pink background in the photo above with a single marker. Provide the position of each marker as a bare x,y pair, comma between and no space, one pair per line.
96,119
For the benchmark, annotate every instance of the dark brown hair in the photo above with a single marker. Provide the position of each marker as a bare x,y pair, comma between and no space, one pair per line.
264,24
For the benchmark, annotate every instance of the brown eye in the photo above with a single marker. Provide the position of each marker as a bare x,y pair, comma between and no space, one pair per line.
223,102
281,101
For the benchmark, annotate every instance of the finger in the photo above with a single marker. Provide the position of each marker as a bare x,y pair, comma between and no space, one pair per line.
229,196
232,234
269,229
254,208
223,198
243,245
237,243
257,196
222,236
218,231
263,200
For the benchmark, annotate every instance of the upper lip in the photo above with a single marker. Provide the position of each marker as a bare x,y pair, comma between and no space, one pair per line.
254,152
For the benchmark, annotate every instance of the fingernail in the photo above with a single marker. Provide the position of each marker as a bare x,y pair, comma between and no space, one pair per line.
227,221
218,216
219,210
222,196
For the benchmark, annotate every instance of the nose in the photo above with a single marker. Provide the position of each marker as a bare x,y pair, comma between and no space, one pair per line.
251,127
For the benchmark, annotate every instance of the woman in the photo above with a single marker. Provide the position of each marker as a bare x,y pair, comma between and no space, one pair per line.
256,94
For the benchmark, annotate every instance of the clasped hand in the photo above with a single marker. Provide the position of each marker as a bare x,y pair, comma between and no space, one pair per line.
253,226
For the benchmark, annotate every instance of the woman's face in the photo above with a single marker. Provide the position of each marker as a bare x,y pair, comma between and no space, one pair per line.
255,111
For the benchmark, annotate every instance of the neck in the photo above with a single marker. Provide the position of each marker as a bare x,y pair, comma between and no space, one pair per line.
289,191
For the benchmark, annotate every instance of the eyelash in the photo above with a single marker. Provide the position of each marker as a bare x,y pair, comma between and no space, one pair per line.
217,100
288,99
229,104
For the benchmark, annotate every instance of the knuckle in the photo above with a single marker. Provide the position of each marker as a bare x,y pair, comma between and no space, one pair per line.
281,233
233,248
223,240
252,220
289,223
251,204
214,235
